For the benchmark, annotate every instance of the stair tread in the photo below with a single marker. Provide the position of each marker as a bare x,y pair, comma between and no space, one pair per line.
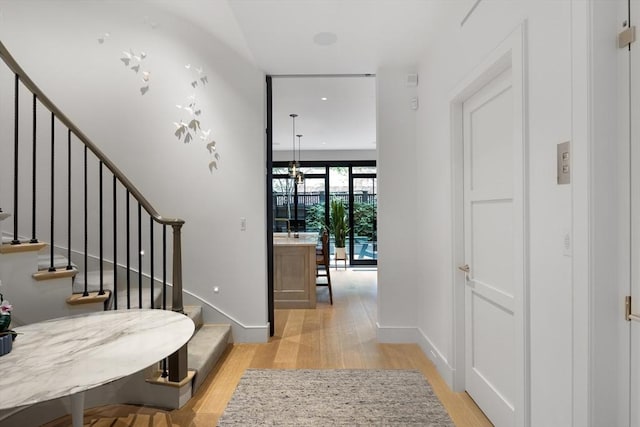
205,348
134,302
59,261
195,313
93,280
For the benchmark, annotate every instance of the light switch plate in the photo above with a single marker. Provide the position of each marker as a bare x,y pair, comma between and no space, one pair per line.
564,163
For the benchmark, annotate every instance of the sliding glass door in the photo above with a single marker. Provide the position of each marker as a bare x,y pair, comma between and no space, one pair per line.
364,211
305,207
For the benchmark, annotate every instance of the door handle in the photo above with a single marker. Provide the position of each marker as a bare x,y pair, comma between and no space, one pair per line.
464,268
629,315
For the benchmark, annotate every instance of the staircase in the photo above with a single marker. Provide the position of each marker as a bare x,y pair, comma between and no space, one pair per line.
41,298
121,264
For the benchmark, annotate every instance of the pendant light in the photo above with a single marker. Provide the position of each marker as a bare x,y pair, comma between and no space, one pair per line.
300,174
294,166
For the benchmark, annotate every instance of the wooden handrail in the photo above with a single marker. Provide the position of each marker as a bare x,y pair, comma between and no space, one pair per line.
178,360
44,100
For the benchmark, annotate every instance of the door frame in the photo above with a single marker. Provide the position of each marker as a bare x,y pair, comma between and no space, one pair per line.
511,53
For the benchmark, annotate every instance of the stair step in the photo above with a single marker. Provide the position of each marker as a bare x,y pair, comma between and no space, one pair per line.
195,313
7,248
59,261
134,301
205,348
93,281
92,298
58,273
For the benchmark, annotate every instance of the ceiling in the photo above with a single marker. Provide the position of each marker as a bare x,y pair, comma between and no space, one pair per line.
333,113
319,37
330,37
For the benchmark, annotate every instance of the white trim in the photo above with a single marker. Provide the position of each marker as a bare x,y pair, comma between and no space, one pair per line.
240,332
396,334
211,313
581,212
511,53
447,372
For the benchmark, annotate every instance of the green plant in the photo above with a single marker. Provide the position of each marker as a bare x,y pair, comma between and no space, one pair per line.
314,217
338,225
364,218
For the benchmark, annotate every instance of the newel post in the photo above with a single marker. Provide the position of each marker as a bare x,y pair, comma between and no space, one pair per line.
178,360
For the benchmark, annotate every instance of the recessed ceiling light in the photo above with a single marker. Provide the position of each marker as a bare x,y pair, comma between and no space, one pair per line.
325,39
324,98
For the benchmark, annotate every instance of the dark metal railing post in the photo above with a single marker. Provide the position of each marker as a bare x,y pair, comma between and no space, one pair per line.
15,240
164,267
139,256
151,254
128,240
100,231
33,177
165,372
115,244
86,230
53,174
69,267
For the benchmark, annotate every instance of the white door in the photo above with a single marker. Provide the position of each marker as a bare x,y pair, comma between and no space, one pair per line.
634,80
493,223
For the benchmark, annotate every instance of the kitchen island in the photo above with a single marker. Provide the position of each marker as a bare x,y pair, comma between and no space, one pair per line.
294,284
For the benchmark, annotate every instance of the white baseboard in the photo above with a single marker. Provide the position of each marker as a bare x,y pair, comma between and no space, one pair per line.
412,334
446,371
240,332
397,334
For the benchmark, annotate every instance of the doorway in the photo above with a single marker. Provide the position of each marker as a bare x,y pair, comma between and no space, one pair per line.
490,254
323,124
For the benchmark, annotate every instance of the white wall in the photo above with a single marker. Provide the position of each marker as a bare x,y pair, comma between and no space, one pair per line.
458,50
56,42
397,215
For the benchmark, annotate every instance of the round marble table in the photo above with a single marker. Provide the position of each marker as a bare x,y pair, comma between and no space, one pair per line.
66,356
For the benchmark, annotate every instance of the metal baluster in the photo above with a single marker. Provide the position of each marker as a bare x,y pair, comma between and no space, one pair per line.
151,252
15,240
139,255
53,140
69,267
86,233
115,245
128,256
100,231
165,372
164,267
33,177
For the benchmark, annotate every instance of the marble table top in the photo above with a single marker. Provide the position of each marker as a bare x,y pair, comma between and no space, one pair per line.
64,356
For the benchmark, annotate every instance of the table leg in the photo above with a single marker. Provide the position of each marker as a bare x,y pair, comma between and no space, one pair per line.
77,409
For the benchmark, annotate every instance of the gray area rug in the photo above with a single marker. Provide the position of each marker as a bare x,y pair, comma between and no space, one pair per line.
342,397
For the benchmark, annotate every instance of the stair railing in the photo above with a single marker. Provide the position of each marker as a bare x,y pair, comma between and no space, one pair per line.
177,363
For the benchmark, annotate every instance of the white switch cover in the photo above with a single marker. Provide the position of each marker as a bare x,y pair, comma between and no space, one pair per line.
243,224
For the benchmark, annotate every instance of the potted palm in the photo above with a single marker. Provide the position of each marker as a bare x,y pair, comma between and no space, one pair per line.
338,227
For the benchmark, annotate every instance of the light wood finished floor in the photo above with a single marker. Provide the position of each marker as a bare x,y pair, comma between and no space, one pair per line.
338,336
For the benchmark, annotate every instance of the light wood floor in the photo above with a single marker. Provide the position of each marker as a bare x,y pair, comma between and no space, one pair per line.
338,336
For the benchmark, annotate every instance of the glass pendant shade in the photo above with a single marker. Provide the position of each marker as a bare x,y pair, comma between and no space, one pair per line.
294,166
299,176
